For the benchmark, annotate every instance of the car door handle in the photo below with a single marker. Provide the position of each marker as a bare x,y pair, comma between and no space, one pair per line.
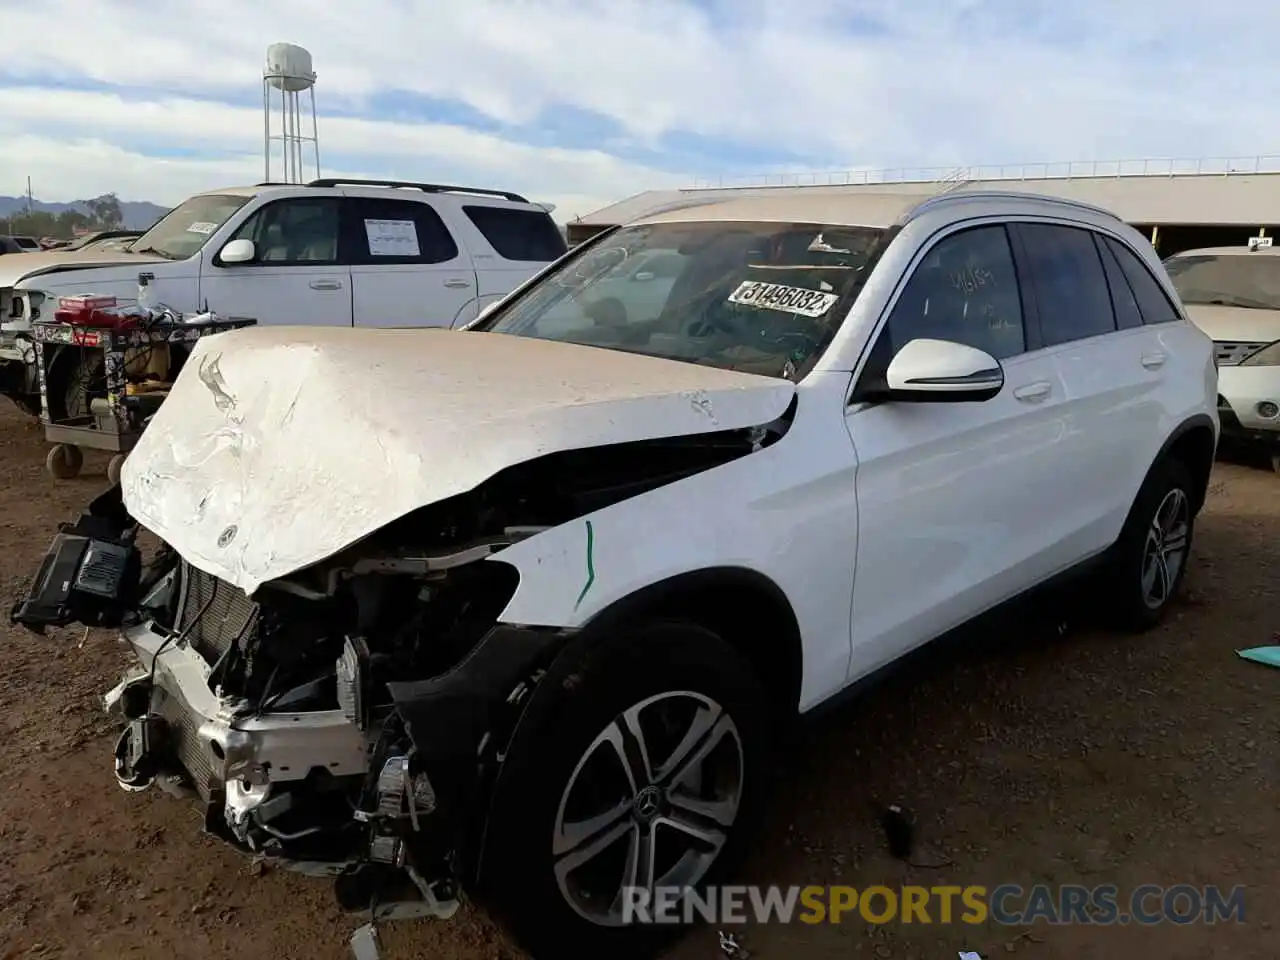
325,285
1154,361
1034,392
457,284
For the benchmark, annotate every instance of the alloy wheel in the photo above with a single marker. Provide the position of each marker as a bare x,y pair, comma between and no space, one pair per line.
1165,550
650,804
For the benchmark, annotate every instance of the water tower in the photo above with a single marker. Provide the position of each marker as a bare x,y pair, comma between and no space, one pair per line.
288,72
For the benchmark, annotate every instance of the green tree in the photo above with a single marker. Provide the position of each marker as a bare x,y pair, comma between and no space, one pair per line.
105,212
37,223
68,221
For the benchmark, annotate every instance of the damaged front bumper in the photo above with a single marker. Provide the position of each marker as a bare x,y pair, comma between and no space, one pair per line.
389,802
221,749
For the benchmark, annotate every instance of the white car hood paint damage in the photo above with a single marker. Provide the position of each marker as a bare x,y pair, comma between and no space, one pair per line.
14,267
281,446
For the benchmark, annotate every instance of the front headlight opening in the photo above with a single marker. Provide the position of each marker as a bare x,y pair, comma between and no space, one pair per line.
1268,356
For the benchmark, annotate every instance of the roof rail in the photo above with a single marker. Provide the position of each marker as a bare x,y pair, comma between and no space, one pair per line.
424,187
957,193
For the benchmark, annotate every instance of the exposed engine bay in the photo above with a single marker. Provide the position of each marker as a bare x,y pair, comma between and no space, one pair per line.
349,719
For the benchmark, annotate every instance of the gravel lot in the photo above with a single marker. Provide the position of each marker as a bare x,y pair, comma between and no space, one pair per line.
1029,754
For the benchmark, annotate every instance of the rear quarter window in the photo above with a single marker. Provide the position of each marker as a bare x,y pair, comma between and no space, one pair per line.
527,235
1152,300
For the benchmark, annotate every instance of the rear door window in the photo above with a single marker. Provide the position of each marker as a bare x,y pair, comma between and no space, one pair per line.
395,232
1152,301
1073,300
526,235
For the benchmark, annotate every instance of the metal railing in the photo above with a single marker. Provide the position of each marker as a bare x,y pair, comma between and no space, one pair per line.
1063,170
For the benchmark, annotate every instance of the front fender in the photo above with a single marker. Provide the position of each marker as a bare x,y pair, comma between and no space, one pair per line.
787,512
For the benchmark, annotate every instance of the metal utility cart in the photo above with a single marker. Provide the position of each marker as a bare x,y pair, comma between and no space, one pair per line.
113,421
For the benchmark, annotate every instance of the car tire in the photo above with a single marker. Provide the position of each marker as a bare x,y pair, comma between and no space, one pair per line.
564,765
1149,559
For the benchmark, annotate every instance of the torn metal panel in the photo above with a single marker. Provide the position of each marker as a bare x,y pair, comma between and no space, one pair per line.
280,446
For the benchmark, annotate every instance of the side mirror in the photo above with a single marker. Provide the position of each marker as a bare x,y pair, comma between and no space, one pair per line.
238,251
940,371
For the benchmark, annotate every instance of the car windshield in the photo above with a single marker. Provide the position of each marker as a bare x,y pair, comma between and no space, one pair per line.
1232,280
186,228
764,298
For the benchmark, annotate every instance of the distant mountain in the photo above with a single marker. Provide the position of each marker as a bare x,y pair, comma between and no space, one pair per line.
138,214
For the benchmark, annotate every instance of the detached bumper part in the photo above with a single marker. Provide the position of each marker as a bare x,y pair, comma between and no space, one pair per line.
82,579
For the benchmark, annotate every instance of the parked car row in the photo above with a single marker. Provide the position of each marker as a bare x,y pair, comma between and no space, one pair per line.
330,253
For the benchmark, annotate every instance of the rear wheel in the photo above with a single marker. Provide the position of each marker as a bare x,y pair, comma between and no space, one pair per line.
637,768
1150,558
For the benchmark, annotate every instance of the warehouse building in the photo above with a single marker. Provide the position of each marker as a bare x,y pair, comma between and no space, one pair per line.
1178,204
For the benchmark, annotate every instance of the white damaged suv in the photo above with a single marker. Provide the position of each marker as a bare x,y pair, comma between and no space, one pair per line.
516,610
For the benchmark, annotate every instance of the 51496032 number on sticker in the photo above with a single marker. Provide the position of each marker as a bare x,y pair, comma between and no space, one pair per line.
776,296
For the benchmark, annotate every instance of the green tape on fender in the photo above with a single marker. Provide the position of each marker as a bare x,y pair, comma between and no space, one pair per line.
591,564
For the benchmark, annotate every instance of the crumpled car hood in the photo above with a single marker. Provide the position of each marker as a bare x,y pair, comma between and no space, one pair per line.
278,447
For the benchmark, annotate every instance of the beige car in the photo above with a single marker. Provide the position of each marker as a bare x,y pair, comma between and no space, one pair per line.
1233,295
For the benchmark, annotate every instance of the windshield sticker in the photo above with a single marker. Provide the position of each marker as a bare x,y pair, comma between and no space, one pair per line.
202,227
392,238
776,296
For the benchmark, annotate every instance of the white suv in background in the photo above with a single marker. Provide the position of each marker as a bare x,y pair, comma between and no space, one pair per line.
327,253
525,618
1233,295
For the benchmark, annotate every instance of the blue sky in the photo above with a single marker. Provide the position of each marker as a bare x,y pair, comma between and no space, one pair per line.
581,102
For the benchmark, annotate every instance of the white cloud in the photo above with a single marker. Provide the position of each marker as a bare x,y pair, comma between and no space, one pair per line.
82,141
940,82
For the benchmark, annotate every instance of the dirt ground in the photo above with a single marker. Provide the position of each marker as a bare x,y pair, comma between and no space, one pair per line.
1036,755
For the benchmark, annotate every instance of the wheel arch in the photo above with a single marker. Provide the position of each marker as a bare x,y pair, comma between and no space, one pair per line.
1194,443
744,607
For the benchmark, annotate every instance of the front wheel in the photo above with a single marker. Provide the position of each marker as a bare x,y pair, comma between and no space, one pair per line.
637,768
1150,558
